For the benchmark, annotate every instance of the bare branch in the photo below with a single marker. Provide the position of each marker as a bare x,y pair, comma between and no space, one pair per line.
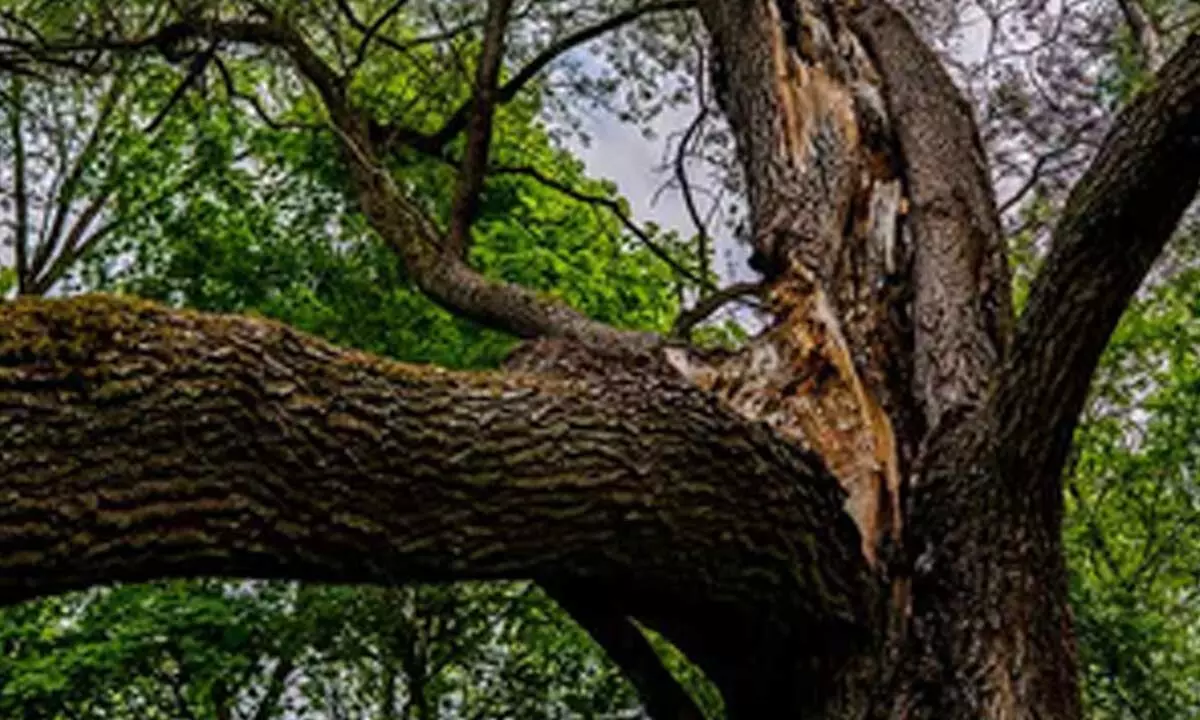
369,33
465,202
458,121
709,304
446,278
51,240
1039,167
255,104
1145,34
612,206
195,71
79,243
20,190
271,32
685,187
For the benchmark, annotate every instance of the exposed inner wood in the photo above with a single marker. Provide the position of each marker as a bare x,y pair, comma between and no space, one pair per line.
828,212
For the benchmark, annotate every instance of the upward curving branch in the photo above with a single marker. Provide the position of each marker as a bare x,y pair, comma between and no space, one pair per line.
447,279
441,274
212,445
1116,221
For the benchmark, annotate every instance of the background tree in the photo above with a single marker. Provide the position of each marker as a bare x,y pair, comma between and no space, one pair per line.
891,368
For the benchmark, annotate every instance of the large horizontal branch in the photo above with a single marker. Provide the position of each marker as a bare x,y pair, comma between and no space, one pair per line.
138,442
1116,221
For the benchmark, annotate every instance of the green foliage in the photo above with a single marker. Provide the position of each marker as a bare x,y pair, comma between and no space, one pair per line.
693,680
1133,500
8,281
218,210
275,232
275,650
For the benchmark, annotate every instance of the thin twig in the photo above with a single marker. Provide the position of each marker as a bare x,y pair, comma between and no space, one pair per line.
612,206
711,303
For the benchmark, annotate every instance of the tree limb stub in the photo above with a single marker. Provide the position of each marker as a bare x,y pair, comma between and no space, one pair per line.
218,445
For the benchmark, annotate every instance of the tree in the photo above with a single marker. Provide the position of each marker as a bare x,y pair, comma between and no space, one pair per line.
251,233
641,481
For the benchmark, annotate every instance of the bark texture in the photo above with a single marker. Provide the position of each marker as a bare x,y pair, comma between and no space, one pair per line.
991,627
701,494
813,133
139,442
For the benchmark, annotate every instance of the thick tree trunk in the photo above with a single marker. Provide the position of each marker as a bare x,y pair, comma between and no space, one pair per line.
865,172
857,516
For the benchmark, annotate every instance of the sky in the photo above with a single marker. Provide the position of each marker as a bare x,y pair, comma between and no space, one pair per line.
619,152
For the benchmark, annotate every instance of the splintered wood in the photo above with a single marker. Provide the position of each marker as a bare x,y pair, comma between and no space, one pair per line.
827,218
799,377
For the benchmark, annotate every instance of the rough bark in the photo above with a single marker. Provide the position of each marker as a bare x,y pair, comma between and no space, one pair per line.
991,628
962,309
982,626
807,111
692,492
138,442
1116,221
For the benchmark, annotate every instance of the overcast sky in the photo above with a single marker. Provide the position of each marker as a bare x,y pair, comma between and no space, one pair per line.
620,153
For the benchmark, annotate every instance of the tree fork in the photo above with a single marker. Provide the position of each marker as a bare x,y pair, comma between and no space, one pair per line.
198,444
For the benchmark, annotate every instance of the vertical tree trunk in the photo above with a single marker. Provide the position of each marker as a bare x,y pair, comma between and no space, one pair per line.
238,447
874,217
